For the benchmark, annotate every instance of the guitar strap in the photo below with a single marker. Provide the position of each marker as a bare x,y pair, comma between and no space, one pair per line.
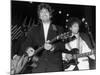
79,44
79,47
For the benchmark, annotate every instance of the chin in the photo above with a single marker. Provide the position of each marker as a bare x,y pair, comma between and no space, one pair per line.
75,32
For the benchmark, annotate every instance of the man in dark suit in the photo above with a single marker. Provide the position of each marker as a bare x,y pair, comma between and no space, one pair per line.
50,59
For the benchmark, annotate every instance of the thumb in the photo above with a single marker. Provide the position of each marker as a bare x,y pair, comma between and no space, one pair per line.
47,41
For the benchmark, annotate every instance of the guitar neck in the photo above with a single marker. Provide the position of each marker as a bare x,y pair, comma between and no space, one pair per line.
41,48
84,54
61,36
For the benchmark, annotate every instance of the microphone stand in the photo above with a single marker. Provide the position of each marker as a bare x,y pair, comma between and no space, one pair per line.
90,36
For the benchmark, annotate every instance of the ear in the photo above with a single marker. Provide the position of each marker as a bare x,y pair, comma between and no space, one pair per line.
50,16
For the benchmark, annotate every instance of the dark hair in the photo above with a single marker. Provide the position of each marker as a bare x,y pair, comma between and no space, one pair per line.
45,6
73,20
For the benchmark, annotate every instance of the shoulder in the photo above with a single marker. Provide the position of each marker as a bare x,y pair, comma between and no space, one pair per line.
33,29
86,38
57,28
84,35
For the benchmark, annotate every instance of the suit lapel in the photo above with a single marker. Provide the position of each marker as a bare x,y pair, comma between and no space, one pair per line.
41,35
51,33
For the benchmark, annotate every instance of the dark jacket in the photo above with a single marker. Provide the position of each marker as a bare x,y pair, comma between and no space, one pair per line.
48,61
86,38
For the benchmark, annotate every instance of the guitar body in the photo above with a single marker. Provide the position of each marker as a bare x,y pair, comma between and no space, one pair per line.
71,62
32,64
76,57
67,64
26,69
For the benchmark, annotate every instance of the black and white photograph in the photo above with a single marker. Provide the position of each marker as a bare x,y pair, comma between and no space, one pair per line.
52,37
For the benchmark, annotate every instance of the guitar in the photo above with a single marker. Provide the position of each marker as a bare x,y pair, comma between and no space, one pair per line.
75,57
31,64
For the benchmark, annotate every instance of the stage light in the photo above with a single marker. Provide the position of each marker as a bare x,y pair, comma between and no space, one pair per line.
60,12
66,26
85,22
66,20
67,14
83,19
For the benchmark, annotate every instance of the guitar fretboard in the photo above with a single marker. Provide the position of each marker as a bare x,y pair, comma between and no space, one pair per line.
84,54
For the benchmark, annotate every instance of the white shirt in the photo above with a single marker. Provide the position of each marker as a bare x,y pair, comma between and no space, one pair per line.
46,29
78,43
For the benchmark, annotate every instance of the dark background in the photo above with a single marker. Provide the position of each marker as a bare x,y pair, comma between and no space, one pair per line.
27,10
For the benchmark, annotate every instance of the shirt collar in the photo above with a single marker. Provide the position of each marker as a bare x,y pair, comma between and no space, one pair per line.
76,35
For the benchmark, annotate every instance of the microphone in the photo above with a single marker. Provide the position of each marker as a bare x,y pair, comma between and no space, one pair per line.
86,24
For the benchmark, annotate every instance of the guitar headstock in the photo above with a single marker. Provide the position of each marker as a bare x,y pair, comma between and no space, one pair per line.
63,36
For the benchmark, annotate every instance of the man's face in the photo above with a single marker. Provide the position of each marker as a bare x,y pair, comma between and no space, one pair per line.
75,28
44,14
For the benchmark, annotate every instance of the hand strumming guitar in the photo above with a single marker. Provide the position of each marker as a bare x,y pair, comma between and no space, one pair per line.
30,51
48,46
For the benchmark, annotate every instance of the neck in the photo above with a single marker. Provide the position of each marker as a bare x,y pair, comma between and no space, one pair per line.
46,22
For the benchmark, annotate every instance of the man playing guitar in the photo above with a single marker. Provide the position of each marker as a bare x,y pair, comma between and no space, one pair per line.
50,58
82,43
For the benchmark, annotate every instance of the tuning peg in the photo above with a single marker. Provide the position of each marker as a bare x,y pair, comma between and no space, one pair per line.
83,19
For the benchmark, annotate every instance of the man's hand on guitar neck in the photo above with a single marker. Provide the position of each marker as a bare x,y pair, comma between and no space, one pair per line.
67,57
93,56
30,51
